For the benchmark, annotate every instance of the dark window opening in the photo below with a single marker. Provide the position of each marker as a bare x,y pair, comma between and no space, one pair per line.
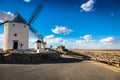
5,24
13,24
15,34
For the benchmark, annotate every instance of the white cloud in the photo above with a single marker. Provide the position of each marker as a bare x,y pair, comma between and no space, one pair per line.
85,42
1,36
6,16
61,30
88,6
54,40
108,40
87,37
59,40
49,37
80,41
9,13
1,40
32,40
27,1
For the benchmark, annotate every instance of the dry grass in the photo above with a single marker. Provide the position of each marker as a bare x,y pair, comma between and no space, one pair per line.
111,57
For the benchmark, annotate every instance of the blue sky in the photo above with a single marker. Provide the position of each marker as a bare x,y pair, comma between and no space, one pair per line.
77,24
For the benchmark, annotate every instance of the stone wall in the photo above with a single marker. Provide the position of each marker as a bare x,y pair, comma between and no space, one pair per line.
29,58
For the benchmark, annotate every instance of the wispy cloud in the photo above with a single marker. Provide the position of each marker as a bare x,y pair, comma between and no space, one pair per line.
88,6
6,16
49,37
54,40
80,41
1,40
112,14
61,30
27,1
59,40
32,40
1,37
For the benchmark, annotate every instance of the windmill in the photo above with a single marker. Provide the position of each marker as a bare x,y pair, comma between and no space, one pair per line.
16,32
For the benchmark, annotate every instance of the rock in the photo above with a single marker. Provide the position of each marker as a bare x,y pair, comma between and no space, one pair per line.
30,58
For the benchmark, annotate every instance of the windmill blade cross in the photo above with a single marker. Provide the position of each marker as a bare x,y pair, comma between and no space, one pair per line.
35,14
3,23
35,33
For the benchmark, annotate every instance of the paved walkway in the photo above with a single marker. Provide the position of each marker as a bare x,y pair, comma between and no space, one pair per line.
69,70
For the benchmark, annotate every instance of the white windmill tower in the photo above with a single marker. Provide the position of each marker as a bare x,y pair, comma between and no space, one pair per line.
16,32
40,46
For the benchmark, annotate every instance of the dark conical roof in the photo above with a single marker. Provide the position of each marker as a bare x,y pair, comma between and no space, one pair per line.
18,19
38,41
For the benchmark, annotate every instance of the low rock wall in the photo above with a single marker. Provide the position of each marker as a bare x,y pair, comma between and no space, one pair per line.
29,58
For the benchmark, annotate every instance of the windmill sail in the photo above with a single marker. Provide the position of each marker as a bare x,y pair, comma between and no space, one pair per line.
31,20
35,14
35,33
9,17
3,23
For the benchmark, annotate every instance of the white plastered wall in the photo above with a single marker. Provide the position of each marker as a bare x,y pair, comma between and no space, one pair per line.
22,31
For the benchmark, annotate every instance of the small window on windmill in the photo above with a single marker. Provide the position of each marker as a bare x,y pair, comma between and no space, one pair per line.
13,24
5,24
24,26
15,34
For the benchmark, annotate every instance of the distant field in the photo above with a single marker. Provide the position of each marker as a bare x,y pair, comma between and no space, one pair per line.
111,57
97,51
